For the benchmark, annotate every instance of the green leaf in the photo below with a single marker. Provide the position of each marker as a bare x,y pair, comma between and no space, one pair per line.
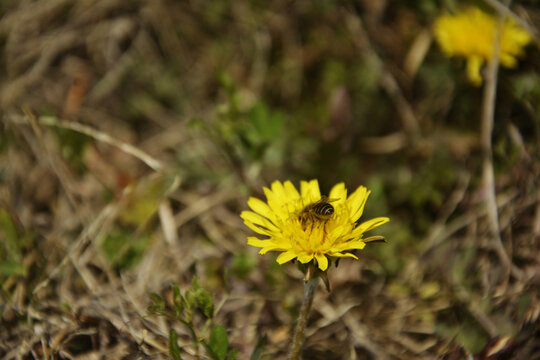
257,352
177,295
201,297
189,301
219,343
178,301
205,302
73,145
9,268
174,350
472,336
155,310
232,354
124,249
144,200
157,299
159,304
267,125
211,354
243,264
13,242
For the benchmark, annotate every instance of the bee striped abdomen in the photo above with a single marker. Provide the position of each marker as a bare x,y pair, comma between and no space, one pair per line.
323,209
317,212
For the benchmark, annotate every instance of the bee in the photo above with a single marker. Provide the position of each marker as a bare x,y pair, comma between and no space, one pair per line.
320,211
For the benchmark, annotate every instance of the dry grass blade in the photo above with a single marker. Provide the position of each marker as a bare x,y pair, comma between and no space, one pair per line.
153,163
154,122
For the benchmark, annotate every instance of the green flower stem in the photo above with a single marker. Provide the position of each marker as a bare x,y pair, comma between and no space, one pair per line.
307,301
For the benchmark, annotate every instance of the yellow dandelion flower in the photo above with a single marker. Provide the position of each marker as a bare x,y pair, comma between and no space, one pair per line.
304,231
472,33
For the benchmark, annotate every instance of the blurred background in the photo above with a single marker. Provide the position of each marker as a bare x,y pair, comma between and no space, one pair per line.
133,133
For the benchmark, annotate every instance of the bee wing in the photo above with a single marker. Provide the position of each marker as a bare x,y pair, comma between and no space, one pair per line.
323,200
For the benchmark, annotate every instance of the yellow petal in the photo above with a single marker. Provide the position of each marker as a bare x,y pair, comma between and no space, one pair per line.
290,190
257,229
353,245
266,245
339,193
356,202
342,255
253,241
474,63
279,191
305,257
310,191
260,207
508,61
370,224
376,238
322,262
277,204
339,231
259,220
285,257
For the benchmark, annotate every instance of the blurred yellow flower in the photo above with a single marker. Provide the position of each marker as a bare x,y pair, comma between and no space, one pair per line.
307,226
472,33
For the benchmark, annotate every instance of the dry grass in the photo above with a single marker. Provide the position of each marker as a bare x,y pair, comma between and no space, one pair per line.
120,177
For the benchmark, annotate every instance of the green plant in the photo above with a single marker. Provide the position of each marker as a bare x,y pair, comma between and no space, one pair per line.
196,303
